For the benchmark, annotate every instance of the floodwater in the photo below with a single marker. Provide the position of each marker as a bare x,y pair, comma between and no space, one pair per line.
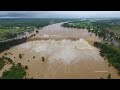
68,54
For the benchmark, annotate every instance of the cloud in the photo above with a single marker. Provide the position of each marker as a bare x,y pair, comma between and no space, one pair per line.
58,14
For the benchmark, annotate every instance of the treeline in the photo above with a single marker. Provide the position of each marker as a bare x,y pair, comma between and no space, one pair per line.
65,25
24,22
12,33
17,71
111,53
5,45
94,27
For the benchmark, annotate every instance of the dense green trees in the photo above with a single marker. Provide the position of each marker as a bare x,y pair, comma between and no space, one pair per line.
112,53
20,56
15,72
5,45
38,22
109,76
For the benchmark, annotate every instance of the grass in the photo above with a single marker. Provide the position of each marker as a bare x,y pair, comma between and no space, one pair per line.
15,72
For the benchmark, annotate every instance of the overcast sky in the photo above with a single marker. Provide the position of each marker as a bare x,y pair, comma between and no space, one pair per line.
59,14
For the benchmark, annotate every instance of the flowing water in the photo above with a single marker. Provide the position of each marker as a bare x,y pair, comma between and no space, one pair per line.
68,53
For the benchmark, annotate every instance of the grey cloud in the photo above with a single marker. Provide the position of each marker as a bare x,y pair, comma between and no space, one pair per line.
58,14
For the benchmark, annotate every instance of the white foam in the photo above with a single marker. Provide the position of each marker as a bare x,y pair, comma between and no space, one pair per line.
64,50
46,36
66,55
25,46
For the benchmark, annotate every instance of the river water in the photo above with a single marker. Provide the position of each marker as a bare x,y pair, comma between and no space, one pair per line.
68,53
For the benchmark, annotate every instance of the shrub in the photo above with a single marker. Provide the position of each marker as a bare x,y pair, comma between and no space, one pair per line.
33,56
36,31
20,56
109,65
5,53
2,63
26,67
101,78
109,76
19,64
15,72
43,59
9,60
118,72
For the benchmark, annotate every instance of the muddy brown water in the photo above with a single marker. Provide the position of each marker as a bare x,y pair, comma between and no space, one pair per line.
68,54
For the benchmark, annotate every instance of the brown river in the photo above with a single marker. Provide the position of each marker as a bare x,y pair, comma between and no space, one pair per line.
68,53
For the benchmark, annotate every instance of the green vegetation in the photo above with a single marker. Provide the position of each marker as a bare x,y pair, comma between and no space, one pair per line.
26,67
15,72
2,63
5,53
33,56
105,29
109,65
4,60
7,59
8,44
101,78
13,32
100,28
109,76
20,56
38,22
43,59
112,53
